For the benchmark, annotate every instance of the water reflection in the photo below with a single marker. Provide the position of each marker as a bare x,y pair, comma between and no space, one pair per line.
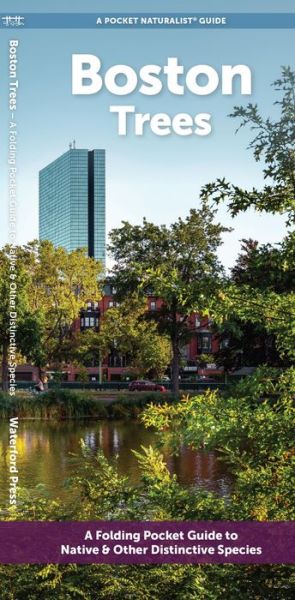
45,449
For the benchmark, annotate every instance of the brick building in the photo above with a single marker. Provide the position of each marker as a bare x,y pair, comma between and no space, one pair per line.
114,367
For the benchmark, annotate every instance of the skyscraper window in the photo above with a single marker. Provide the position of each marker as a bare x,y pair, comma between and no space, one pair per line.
72,201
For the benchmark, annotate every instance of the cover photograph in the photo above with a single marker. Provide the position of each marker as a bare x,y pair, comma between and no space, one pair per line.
147,313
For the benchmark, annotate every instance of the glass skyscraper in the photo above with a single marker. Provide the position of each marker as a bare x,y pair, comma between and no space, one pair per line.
72,201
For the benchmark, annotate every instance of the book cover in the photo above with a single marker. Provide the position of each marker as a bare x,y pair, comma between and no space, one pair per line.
147,300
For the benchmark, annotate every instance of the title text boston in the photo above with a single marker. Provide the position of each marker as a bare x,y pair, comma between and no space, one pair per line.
89,77
86,78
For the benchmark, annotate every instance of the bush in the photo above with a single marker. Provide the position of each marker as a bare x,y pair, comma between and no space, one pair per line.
54,404
105,494
59,404
130,406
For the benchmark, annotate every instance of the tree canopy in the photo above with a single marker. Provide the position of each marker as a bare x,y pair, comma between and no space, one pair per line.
53,285
125,330
273,143
177,263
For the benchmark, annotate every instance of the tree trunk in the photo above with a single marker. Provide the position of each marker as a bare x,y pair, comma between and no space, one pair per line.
4,367
175,367
100,370
268,345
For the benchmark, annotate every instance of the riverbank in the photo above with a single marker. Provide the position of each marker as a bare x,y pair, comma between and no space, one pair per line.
62,404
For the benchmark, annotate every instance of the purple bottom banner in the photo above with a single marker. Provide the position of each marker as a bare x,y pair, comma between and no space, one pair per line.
143,542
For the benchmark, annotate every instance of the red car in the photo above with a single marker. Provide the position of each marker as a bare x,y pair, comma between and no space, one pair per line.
146,386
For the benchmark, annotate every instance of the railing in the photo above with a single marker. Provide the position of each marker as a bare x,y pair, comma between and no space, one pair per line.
121,385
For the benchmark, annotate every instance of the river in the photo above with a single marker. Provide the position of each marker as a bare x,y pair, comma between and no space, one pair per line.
45,452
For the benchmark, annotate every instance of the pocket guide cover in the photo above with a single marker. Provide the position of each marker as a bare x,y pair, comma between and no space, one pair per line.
146,300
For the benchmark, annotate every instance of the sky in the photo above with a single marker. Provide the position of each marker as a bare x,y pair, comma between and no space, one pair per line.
156,177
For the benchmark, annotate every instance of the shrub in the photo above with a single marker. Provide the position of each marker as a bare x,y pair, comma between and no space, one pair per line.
59,403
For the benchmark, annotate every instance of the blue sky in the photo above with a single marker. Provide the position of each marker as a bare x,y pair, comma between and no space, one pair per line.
156,177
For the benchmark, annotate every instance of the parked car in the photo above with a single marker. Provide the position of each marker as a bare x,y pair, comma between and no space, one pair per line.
146,386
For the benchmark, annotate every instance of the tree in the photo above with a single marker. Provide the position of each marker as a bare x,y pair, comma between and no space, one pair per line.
52,287
263,279
252,426
274,142
124,330
273,312
14,299
61,284
81,348
268,269
178,264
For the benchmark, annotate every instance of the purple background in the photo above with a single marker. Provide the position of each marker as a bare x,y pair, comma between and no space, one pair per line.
40,541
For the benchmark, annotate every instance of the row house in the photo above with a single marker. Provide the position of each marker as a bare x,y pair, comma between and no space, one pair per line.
115,368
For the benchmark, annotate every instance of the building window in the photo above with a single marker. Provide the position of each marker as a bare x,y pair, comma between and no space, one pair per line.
86,321
116,360
89,305
95,305
204,342
91,321
153,305
82,322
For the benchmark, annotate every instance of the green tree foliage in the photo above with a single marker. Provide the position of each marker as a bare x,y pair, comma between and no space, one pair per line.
99,492
274,142
252,426
177,264
124,330
270,270
273,312
260,295
14,298
146,582
267,267
52,286
81,348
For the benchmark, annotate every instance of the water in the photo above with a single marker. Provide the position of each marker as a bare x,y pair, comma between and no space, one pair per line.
45,448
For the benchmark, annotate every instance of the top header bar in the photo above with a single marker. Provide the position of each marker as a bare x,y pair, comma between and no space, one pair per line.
147,21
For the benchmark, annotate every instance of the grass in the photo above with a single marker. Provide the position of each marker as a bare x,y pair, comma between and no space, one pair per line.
61,404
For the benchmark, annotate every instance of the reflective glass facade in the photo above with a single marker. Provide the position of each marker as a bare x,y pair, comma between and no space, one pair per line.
72,201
